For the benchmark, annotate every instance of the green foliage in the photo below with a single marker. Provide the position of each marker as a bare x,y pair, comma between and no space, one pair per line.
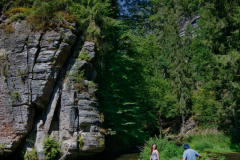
80,143
79,84
92,87
219,143
205,106
3,54
91,15
221,158
20,72
78,79
77,76
32,155
147,74
108,131
14,96
166,150
8,29
119,93
51,148
84,56
203,145
2,146
71,27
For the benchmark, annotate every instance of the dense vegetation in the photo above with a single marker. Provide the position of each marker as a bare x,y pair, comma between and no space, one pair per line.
147,74
218,143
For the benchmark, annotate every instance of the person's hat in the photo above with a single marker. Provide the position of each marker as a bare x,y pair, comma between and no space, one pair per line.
186,146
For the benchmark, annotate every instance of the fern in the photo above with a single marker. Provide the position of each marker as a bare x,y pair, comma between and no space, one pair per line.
51,148
32,155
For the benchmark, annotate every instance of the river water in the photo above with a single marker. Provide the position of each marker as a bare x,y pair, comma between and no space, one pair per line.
134,156
228,156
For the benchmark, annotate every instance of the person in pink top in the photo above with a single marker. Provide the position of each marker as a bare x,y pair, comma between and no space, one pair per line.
154,152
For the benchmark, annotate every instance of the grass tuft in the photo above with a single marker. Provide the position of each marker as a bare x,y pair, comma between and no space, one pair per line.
213,142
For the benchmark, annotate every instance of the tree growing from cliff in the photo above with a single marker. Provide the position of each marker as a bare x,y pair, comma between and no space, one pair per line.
92,15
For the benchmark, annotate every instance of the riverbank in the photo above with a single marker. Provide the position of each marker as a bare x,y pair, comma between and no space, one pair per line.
208,145
215,143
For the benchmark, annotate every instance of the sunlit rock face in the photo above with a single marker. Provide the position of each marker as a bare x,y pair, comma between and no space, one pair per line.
79,111
38,96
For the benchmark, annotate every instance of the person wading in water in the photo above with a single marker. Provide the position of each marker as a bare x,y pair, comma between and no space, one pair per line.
154,152
190,154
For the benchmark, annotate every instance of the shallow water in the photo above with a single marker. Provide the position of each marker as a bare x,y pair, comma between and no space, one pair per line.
126,156
228,156
232,156
134,156
131,156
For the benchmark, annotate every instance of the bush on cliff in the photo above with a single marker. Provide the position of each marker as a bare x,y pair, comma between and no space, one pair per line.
51,148
32,155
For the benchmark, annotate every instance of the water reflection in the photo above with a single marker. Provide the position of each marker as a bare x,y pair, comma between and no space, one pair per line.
134,156
128,156
228,156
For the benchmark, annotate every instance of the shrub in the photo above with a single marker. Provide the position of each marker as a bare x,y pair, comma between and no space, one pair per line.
32,155
166,150
71,27
12,18
84,56
14,11
51,148
203,145
77,76
212,142
221,158
2,146
81,143
67,17
79,87
92,87
170,151
8,29
14,96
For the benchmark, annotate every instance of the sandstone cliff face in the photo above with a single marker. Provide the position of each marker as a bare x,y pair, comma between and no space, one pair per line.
38,93
182,23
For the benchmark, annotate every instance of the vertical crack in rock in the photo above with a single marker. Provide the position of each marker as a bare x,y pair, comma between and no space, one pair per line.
40,67
57,60
79,110
17,117
51,109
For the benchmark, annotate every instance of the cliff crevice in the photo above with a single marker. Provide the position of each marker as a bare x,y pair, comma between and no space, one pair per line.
39,73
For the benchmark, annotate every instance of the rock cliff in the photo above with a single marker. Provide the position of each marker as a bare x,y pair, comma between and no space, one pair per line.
42,94
182,23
